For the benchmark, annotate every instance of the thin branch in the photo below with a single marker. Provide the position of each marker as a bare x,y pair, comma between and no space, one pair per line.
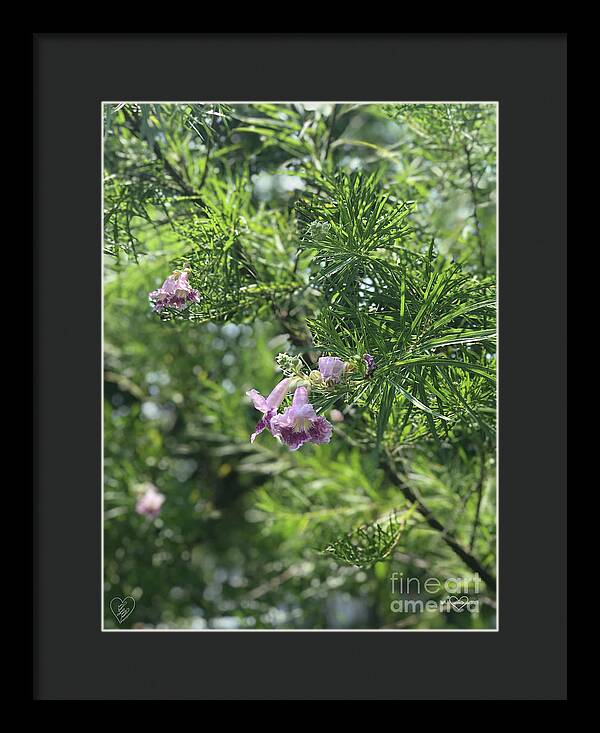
330,135
478,507
469,560
206,162
473,191
171,170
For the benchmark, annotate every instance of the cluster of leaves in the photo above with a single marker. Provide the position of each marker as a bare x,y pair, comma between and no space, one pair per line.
304,231
242,272
371,543
429,324
454,147
156,157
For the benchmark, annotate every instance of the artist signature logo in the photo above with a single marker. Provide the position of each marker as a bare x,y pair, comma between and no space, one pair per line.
122,608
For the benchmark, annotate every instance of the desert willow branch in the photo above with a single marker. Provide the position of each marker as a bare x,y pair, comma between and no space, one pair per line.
156,149
469,560
467,557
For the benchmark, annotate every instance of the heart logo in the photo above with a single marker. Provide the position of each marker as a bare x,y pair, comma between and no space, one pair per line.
122,608
458,604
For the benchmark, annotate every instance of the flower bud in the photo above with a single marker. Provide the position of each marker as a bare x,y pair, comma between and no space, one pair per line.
315,377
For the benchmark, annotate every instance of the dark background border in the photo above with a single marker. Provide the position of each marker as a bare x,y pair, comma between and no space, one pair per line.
526,658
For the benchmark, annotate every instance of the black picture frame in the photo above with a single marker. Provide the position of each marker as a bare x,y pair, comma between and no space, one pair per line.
526,658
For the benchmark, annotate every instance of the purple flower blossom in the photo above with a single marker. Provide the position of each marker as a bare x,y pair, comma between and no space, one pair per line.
150,502
370,362
268,406
174,293
331,368
300,423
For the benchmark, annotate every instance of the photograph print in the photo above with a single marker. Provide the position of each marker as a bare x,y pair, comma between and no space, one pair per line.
299,353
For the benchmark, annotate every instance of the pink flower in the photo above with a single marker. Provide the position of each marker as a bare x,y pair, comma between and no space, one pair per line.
150,502
174,293
268,406
331,368
300,423
336,415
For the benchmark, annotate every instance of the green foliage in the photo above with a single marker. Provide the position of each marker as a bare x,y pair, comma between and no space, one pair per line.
233,258
312,230
454,147
371,543
428,323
